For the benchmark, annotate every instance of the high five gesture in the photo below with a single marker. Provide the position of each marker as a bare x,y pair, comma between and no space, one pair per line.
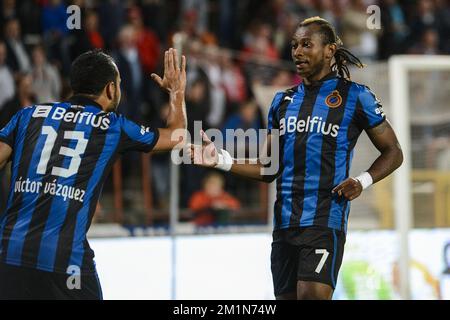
174,82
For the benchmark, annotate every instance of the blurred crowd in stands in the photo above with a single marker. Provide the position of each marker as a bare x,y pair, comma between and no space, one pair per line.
230,44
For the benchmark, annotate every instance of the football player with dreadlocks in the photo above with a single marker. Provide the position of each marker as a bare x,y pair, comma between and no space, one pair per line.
317,125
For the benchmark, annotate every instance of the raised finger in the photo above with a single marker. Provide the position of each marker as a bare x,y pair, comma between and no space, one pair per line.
166,61
157,79
171,66
205,137
183,63
198,155
175,59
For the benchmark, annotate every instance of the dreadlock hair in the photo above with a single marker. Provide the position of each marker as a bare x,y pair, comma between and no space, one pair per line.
342,56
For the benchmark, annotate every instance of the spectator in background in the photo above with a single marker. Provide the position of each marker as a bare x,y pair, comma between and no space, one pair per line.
197,103
198,96
285,78
27,11
328,10
6,78
212,205
54,18
284,34
29,14
425,18
46,80
129,64
198,10
260,44
154,13
7,12
197,109
195,51
55,33
147,41
302,8
394,29
233,81
247,118
429,43
160,162
260,54
199,91
149,47
189,28
88,37
24,97
228,22
211,65
112,17
356,36
17,56
443,9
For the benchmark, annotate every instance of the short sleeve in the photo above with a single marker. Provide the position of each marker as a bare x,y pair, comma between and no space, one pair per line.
136,137
9,132
273,121
369,111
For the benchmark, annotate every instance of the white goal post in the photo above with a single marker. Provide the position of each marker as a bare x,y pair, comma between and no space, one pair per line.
399,66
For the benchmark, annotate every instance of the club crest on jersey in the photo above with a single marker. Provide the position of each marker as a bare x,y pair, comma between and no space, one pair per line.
334,99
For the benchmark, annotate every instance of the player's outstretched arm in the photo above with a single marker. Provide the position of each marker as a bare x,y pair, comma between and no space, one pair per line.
174,82
5,153
384,139
208,156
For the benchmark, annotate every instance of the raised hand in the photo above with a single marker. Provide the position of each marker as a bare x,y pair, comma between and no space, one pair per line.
205,155
174,78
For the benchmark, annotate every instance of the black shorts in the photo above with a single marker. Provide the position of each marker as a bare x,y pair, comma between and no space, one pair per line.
306,254
20,283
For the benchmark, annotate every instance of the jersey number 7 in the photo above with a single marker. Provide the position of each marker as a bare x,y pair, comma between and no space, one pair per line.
324,254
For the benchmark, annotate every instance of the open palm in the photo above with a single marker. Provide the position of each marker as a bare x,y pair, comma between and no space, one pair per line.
204,155
174,78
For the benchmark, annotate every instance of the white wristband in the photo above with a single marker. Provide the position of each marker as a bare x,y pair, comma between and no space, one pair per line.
365,179
225,161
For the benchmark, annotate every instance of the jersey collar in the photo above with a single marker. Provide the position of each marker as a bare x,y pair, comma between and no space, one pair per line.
84,101
330,76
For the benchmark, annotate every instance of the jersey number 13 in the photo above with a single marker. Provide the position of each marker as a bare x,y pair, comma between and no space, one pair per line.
74,154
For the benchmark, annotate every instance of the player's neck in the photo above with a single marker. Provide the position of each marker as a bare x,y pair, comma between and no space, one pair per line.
317,77
103,101
100,100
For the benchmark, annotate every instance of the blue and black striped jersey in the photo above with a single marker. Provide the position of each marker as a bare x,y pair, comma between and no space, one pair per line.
318,125
62,154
